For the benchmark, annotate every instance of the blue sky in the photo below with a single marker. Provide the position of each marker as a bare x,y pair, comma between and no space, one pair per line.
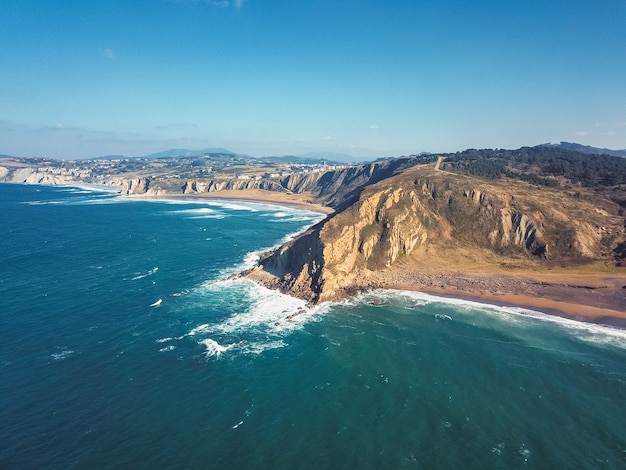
368,78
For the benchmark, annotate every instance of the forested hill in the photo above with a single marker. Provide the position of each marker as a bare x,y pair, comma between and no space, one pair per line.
541,165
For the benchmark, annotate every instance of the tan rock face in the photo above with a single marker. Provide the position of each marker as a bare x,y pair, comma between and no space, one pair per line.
418,208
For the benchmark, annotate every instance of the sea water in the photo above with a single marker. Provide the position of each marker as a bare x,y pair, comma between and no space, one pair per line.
124,345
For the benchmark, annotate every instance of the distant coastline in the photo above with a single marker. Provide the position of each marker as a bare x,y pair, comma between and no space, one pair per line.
596,297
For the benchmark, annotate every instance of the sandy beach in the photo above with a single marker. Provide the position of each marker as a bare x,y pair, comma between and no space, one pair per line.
593,293
587,302
300,201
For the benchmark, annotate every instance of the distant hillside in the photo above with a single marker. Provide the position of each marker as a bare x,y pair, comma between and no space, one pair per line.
587,149
293,159
314,158
541,165
173,153
330,156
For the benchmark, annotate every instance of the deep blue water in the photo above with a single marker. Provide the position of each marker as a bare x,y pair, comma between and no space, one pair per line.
123,346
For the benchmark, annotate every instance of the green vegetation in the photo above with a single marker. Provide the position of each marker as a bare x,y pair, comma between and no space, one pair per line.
546,166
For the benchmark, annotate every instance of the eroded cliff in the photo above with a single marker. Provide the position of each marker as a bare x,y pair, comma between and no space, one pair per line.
421,208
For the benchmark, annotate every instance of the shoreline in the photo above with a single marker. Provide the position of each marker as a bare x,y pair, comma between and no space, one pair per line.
251,195
598,299
520,289
569,311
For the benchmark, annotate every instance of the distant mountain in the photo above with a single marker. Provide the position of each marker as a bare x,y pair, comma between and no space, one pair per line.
173,153
314,158
109,157
293,159
587,149
330,156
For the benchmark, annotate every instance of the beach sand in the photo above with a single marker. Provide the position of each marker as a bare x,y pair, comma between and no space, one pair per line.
593,293
301,201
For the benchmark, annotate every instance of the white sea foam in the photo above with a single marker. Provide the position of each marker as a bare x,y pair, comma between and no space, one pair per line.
96,189
213,348
42,203
163,340
200,213
583,331
199,329
235,206
157,303
268,318
149,273
171,347
249,261
64,354
269,311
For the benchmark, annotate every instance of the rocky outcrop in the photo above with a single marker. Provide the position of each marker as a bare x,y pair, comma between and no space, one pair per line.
210,186
340,188
403,215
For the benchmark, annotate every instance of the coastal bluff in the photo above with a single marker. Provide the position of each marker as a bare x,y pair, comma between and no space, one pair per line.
421,220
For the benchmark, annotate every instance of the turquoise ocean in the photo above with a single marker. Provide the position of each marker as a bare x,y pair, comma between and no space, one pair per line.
122,345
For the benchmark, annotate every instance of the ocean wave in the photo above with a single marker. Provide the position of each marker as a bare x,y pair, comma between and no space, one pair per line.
63,354
199,213
141,276
267,320
277,214
43,203
213,348
518,316
249,261
234,206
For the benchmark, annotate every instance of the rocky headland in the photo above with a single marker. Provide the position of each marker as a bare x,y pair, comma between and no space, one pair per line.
500,240
499,226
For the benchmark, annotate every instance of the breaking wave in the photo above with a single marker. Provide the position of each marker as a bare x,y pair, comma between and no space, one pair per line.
265,320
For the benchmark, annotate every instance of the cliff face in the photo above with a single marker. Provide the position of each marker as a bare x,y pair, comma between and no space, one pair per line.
408,213
334,189
211,186
340,188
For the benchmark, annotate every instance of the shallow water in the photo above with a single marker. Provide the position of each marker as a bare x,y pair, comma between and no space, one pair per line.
122,346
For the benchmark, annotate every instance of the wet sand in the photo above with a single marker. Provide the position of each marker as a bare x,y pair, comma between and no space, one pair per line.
591,298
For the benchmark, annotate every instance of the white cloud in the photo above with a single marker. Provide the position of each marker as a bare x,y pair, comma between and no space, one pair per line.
582,133
610,134
328,137
374,127
239,3
59,126
108,53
